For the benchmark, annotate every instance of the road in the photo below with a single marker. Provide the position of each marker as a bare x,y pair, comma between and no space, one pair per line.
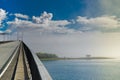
6,50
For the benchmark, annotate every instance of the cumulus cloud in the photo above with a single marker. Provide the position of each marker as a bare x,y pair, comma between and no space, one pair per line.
43,23
21,16
98,23
43,19
3,14
21,25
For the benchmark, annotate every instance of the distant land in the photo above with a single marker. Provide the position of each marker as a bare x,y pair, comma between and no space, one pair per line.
48,56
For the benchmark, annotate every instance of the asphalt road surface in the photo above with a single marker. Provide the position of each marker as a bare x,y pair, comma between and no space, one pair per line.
6,50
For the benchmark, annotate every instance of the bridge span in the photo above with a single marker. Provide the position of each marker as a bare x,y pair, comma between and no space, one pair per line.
17,62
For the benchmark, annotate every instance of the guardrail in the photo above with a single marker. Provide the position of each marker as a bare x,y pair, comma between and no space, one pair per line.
38,70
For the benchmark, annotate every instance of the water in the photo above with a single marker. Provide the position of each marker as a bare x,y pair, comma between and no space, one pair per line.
83,69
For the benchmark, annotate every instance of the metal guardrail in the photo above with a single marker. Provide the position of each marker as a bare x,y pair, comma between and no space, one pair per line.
38,70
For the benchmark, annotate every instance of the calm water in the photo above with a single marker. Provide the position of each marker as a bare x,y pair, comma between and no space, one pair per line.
83,69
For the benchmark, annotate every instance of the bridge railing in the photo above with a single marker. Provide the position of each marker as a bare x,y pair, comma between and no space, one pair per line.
38,70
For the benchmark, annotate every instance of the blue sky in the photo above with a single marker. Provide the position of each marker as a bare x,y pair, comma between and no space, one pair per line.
62,9
71,28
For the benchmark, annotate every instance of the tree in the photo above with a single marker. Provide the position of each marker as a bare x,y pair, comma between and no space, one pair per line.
46,55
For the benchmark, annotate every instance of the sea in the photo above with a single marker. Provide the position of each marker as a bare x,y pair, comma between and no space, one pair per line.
83,69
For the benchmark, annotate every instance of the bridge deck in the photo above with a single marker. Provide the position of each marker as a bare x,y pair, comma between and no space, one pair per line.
22,70
6,51
17,62
20,75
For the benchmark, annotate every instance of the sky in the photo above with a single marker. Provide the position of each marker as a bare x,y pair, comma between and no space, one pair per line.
71,28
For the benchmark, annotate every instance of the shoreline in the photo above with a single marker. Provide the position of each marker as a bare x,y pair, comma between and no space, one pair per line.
83,58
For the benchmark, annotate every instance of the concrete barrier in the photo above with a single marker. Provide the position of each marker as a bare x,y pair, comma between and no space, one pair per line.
38,70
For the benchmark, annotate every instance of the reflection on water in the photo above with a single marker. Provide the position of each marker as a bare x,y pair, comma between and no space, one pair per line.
84,69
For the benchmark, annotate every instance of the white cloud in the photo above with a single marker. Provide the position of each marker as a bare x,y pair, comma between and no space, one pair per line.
21,16
20,25
43,19
3,14
98,23
44,24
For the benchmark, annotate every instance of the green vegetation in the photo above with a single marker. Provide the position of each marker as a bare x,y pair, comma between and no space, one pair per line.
46,56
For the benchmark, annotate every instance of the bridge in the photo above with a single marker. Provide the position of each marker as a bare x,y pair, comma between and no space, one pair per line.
17,62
